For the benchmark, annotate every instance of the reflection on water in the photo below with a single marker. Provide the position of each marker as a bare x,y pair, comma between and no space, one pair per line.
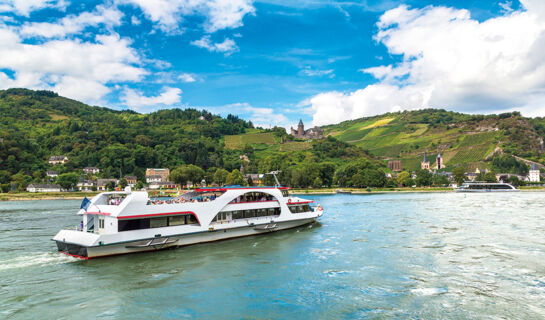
377,256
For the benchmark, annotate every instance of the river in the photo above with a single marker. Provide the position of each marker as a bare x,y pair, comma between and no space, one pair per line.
419,255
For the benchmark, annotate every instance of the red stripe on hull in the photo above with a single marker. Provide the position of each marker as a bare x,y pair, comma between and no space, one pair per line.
74,255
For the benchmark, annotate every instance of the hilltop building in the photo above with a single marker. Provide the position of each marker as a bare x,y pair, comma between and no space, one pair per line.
52,174
131,180
157,175
312,133
395,165
533,174
425,164
58,160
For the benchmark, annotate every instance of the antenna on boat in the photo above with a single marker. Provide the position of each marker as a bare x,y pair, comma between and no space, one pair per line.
274,173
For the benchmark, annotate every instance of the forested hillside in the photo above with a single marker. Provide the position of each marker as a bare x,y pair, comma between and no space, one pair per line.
473,141
35,125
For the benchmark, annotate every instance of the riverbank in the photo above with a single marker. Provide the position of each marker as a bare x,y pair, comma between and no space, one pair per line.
80,195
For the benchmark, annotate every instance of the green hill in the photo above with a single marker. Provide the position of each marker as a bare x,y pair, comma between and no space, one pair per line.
35,125
459,138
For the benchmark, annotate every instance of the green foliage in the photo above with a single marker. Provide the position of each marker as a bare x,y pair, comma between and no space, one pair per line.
317,183
123,183
360,174
458,174
187,173
235,177
403,179
110,185
508,164
220,176
67,180
423,178
139,185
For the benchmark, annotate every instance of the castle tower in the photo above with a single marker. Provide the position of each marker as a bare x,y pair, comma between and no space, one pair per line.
440,164
425,164
301,128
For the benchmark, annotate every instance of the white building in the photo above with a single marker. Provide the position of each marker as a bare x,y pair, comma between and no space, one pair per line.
162,185
43,188
52,174
101,183
91,170
58,159
86,185
533,174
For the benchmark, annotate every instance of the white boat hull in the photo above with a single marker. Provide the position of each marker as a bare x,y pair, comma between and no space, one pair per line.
143,245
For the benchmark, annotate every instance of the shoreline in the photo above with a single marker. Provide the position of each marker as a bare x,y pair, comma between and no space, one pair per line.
80,195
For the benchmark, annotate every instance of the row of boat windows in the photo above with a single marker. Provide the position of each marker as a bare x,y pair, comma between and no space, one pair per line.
245,214
300,208
159,222
487,186
253,197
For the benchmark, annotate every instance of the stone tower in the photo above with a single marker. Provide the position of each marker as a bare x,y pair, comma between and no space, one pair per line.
301,128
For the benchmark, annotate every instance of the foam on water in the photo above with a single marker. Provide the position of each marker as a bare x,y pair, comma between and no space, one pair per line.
35,259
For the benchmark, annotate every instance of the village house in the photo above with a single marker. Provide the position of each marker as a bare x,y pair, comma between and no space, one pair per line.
58,160
131,180
43,188
157,175
52,174
91,170
533,174
101,183
86,185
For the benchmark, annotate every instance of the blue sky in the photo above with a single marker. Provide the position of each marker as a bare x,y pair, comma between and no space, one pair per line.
276,61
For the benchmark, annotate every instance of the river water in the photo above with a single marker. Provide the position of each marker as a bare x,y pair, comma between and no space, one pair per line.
449,255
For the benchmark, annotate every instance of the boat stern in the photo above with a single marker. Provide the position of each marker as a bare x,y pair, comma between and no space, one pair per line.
75,243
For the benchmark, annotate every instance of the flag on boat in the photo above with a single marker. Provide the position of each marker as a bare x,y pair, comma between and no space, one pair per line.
85,204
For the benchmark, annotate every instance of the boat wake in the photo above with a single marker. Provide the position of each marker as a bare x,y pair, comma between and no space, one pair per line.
37,259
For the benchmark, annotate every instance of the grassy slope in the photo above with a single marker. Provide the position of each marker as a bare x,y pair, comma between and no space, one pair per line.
463,139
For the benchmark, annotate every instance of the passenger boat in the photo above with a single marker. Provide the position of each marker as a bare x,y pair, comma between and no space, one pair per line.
486,187
126,222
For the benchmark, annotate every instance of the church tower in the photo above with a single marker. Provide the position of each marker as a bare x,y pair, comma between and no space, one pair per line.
300,128
425,164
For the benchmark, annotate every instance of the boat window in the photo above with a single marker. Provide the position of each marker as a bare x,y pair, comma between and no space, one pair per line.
300,208
246,214
177,220
285,193
159,222
253,197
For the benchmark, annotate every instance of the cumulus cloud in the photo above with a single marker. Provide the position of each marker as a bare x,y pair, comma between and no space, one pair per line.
450,60
60,64
260,117
109,17
136,100
220,14
228,46
187,77
25,7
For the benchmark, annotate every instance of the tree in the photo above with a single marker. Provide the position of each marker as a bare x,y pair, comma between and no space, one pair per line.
490,177
220,176
139,185
402,178
440,180
423,178
235,178
317,183
110,185
68,180
123,183
181,175
459,174
515,181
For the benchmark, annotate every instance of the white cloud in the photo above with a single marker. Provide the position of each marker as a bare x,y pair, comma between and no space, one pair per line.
317,73
61,64
220,14
228,46
24,7
136,100
450,60
187,77
72,24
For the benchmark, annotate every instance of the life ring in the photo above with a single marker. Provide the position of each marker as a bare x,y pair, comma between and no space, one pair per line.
289,200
